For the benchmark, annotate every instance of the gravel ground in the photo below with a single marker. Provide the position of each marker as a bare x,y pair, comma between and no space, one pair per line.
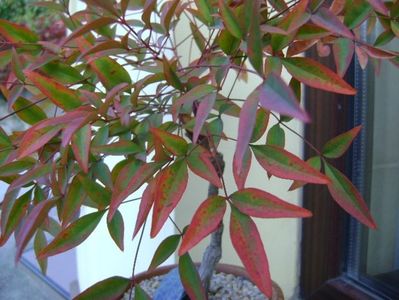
223,287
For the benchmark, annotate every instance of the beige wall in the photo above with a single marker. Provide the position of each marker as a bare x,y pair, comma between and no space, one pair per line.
281,237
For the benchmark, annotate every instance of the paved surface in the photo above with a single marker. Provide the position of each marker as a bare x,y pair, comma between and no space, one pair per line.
18,282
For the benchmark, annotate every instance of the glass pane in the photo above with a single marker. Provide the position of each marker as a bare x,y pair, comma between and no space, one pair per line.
380,249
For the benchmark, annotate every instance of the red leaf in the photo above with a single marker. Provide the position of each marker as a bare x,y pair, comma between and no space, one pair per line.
348,197
173,143
378,53
248,245
284,164
171,184
204,108
190,279
139,178
276,95
362,57
205,220
241,176
258,203
17,33
245,127
81,146
199,161
316,75
343,50
145,205
324,18
108,289
33,221
35,173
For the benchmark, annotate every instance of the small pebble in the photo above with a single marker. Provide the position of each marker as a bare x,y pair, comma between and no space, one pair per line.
223,287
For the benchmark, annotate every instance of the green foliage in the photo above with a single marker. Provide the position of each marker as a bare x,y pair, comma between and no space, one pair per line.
134,94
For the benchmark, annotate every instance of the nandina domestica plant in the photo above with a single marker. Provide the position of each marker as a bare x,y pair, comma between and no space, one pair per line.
118,86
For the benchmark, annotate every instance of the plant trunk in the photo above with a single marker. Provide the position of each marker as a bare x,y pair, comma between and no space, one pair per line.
213,252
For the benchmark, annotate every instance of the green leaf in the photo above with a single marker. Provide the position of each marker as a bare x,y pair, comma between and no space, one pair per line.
384,38
165,249
16,66
73,200
140,294
316,75
171,184
39,244
348,197
230,20
190,278
343,50
97,193
205,220
73,235
93,25
61,72
170,74
356,11
276,136
205,9
118,148
110,288
227,42
28,112
60,95
284,164
261,122
16,167
254,40
258,203
116,229
315,163
337,146
17,213
110,72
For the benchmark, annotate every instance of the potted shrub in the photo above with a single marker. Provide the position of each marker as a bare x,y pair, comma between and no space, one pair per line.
168,118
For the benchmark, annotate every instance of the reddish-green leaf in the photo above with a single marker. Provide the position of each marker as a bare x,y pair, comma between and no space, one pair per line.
276,136
17,167
379,6
337,146
118,148
261,122
97,193
81,146
230,20
144,172
16,66
61,72
245,127
107,45
173,143
199,161
170,75
240,175
205,220
284,164
168,12
254,40
348,197
73,200
165,249
276,95
258,203
343,50
315,163
17,212
93,25
61,96
35,173
171,184
190,278
316,75
204,108
116,229
16,33
111,288
248,245
146,202
73,235
35,218
296,17
324,18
